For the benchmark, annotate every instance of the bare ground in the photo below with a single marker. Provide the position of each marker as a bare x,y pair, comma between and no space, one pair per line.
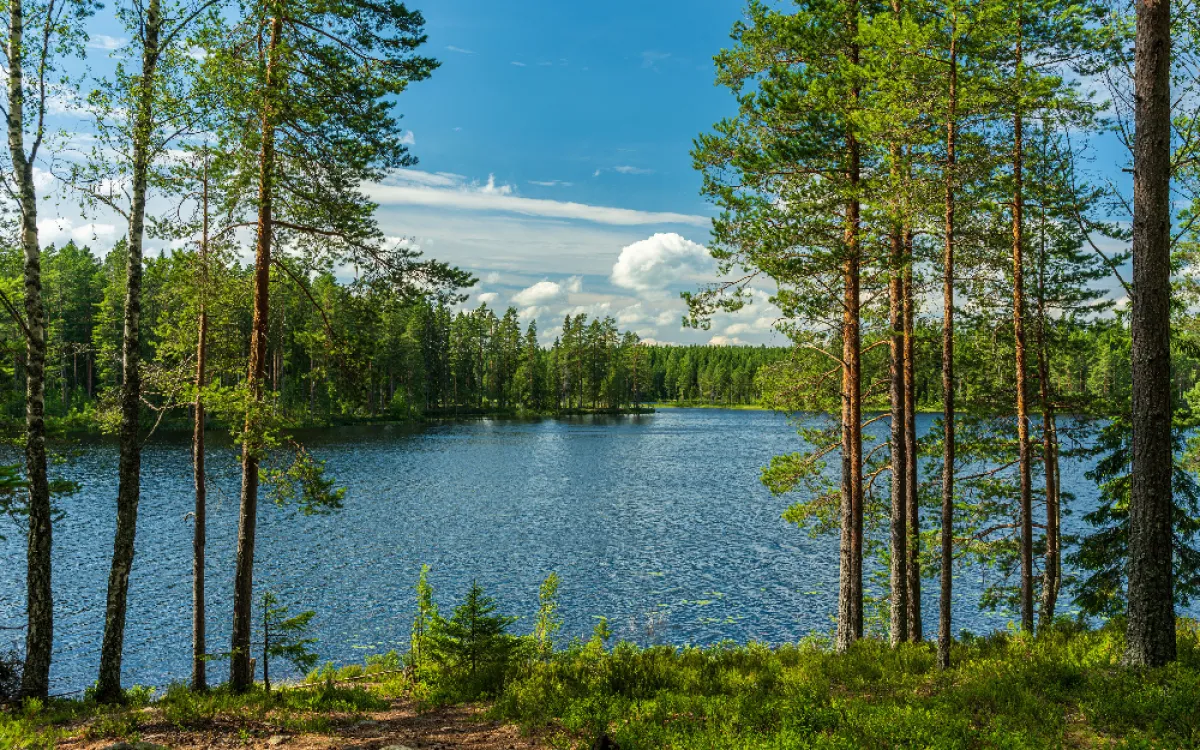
401,726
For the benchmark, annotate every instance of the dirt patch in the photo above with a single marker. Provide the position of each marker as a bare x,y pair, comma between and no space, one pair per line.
401,725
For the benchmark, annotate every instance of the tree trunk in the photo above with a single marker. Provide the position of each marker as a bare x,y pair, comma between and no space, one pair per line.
899,520
108,685
911,494
39,633
1023,453
850,585
240,677
200,529
1052,564
1150,637
944,634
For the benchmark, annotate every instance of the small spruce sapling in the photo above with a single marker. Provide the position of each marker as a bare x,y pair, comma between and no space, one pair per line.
474,645
285,637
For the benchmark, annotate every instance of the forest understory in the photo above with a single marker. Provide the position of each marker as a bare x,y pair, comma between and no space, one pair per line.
1065,688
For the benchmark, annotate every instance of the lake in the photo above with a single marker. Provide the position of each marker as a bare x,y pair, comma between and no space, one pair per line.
658,522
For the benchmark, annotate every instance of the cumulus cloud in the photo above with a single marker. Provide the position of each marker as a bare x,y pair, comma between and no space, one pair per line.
488,298
538,294
720,340
409,138
410,187
658,261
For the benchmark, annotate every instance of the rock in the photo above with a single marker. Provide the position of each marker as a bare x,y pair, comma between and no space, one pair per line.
136,746
277,740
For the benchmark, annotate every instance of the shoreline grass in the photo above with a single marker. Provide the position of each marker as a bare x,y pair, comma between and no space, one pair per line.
1063,688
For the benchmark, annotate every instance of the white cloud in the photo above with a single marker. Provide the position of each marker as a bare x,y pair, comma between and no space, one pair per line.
106,42
488,298
551,183
626,169
444,190
725,341
409,138
658,261
575,284
491,188
518,64
61,230
538,294
431,179
460,50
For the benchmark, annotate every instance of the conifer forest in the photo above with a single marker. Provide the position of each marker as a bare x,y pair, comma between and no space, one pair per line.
803,374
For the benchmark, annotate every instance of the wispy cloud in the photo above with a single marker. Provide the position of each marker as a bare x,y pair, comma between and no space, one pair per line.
106,42
551,183
518,64
626,169
444,190
460,50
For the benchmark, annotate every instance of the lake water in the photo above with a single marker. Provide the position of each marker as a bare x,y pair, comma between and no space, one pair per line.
658,522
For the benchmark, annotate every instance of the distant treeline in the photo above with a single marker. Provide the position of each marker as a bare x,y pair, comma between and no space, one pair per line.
343,351
340,352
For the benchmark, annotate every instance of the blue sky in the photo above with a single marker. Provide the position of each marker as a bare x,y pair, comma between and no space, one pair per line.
550,103
554,157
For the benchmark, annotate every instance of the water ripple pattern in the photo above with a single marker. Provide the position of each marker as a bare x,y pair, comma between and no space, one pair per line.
657,522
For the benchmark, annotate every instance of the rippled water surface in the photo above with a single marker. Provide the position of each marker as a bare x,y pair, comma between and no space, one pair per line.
658,522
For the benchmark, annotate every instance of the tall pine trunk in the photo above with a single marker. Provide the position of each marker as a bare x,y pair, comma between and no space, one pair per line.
1053,561
1150,635
899,519
850,609
1023,452
200,529
39,633
240,676
108,685
911,494
944,635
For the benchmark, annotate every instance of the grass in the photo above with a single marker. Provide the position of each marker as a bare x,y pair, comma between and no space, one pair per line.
1065,688
38,725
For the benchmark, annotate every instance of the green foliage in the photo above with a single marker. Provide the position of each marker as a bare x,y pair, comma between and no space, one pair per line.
304,484
473,648
285,636
548,621
1063,689
425,622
